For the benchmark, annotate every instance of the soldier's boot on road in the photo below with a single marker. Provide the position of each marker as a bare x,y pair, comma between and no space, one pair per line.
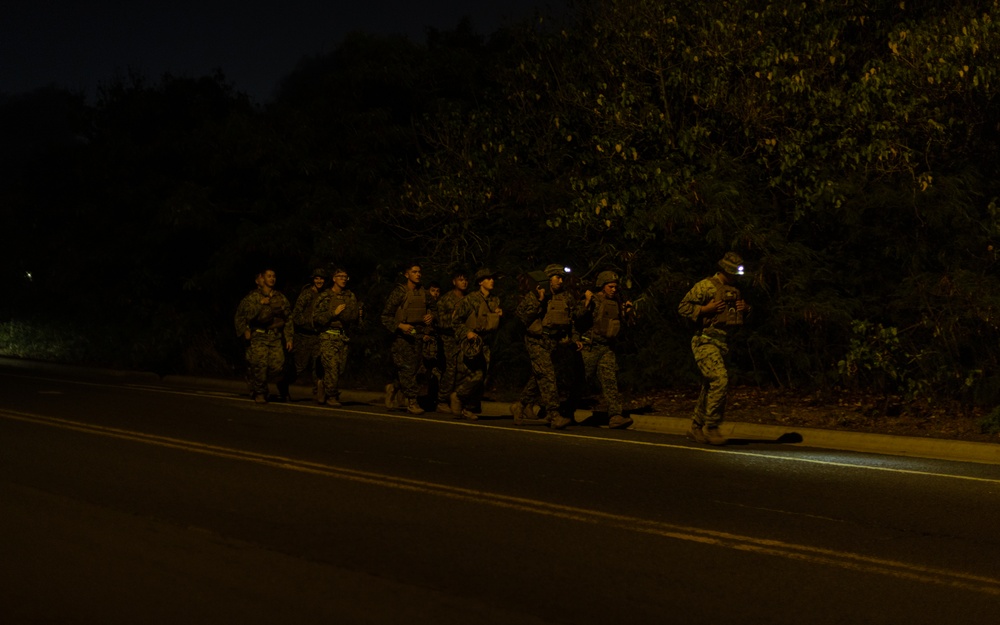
713,436
260,398
558,421
443,408
523,415
468,415
696,434
319,393
390,396
619,422
333,402
413,407
455,405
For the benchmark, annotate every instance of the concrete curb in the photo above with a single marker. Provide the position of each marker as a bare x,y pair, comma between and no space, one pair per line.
739,433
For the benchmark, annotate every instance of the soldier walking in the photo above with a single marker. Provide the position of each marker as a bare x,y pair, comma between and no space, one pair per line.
717,306
606,315
336,311
307,359
449,342
476,320
408,314
263,319
548,314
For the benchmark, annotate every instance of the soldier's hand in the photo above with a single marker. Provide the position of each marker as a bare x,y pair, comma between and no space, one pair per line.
265,301
246,334
339,309
742,306
499,312
540,291
405,328
288,346
579,346
712,308
471,335
428,319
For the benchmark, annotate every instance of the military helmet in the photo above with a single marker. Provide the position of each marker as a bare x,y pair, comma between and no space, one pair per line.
605,277
472,347
484,273
319,272
555,270
732,263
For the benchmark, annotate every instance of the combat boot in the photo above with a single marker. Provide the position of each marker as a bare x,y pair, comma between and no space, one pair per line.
319,393
468,415
413,407
456,405
619,422
523,415
443,408
713,436
390,396
696,434
260,398
558,422
333,402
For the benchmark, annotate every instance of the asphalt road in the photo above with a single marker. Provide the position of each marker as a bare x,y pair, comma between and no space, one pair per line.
126,503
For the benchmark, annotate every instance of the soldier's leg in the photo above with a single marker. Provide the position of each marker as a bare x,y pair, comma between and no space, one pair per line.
449,348
712,401
256,355
607,377
406,356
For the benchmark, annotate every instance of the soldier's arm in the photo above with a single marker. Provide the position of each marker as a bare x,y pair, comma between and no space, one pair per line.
350,312
528,309
322,312
391,306
692,303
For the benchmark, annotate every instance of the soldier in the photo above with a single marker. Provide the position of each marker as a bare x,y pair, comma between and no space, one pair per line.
307,357
408,314
548,314
263,319
449,342
336,310
606,314
476,319
717,306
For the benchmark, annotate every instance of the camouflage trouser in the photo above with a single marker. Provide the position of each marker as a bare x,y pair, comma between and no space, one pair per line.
265,359
709,355
451,366
599,361
307,357
333,354
407,354
542,383
471,376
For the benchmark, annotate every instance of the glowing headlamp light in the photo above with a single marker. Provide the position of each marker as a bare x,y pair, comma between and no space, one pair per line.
739,270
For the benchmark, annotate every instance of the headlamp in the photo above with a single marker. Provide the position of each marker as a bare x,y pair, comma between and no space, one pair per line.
739,270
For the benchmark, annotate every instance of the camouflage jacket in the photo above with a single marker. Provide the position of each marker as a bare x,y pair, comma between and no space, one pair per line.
540,316
252,315
467,313
327,302
446,307
397,300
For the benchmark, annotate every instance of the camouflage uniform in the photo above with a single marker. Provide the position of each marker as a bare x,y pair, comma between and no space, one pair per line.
306,335
449,343
333,336
472,367
407,349
598,353
542,340
270,329
709,349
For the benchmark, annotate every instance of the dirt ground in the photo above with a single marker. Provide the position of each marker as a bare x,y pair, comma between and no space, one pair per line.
841,411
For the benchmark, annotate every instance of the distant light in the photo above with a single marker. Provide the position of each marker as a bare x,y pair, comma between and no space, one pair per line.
567,270
27,274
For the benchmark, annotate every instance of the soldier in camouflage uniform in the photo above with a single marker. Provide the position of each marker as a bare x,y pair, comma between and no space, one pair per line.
408,314
548,314
476,320
718,307
264,319
307,357
605,315
336,310
449,343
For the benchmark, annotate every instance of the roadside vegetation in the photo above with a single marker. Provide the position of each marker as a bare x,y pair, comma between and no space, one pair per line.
847,149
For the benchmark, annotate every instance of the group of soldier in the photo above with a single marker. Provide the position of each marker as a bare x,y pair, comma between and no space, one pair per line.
451,334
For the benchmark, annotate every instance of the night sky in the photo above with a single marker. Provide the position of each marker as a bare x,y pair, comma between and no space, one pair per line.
76,45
